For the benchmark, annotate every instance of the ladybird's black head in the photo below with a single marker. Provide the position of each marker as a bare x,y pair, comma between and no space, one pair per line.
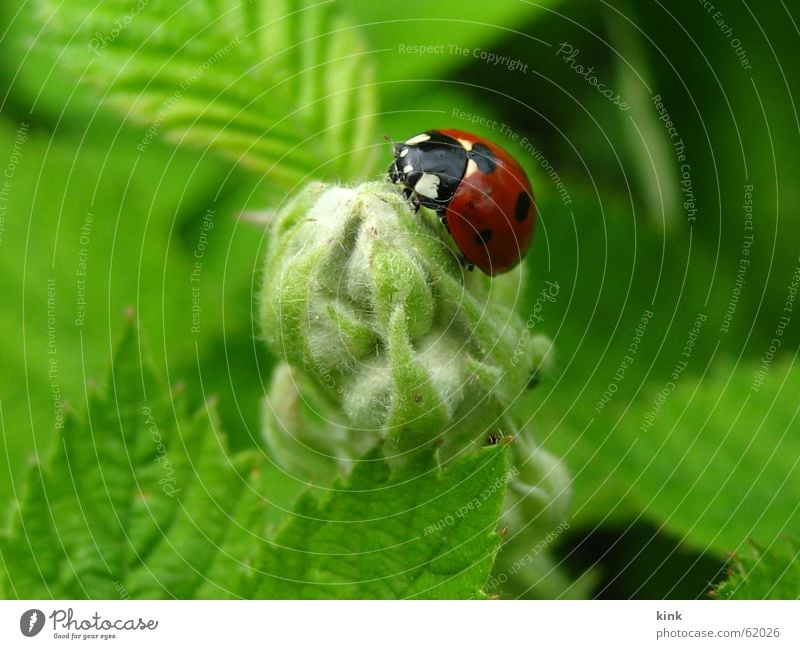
430,166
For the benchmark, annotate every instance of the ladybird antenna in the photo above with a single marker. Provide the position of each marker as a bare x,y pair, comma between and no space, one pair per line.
388,138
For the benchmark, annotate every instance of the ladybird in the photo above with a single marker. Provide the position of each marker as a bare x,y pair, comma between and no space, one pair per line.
481,194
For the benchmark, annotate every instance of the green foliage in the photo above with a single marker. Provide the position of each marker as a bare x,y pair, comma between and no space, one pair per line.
417,532
135,499
139,249
718,452
138,499
613,272
474,27
719,464
713,439
232,77
763,573
281,86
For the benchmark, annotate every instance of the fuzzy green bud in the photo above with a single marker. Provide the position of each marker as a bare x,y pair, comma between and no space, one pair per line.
538,496
370,301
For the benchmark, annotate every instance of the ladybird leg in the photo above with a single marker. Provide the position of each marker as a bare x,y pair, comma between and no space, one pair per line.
443,218
411,196
464,261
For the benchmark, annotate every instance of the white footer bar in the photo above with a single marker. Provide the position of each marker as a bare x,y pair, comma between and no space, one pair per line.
385,625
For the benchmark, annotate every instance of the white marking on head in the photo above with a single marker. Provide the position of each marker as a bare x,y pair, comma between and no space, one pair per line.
408,169
428,186
403,153
466,144
417,139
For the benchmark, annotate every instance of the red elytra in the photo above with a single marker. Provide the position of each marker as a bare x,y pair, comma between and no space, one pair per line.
481,193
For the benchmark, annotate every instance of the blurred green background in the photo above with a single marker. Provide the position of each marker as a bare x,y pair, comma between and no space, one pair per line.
694,449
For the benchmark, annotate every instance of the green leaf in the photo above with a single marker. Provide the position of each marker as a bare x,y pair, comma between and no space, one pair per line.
283,88
416,533
101,193
716,459
757,573
459,33
615,299
136,498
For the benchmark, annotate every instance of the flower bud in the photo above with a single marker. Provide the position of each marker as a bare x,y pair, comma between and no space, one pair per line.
538,496
369,301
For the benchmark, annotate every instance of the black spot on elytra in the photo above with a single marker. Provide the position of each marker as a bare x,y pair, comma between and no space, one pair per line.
483,157
523,206
483,237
